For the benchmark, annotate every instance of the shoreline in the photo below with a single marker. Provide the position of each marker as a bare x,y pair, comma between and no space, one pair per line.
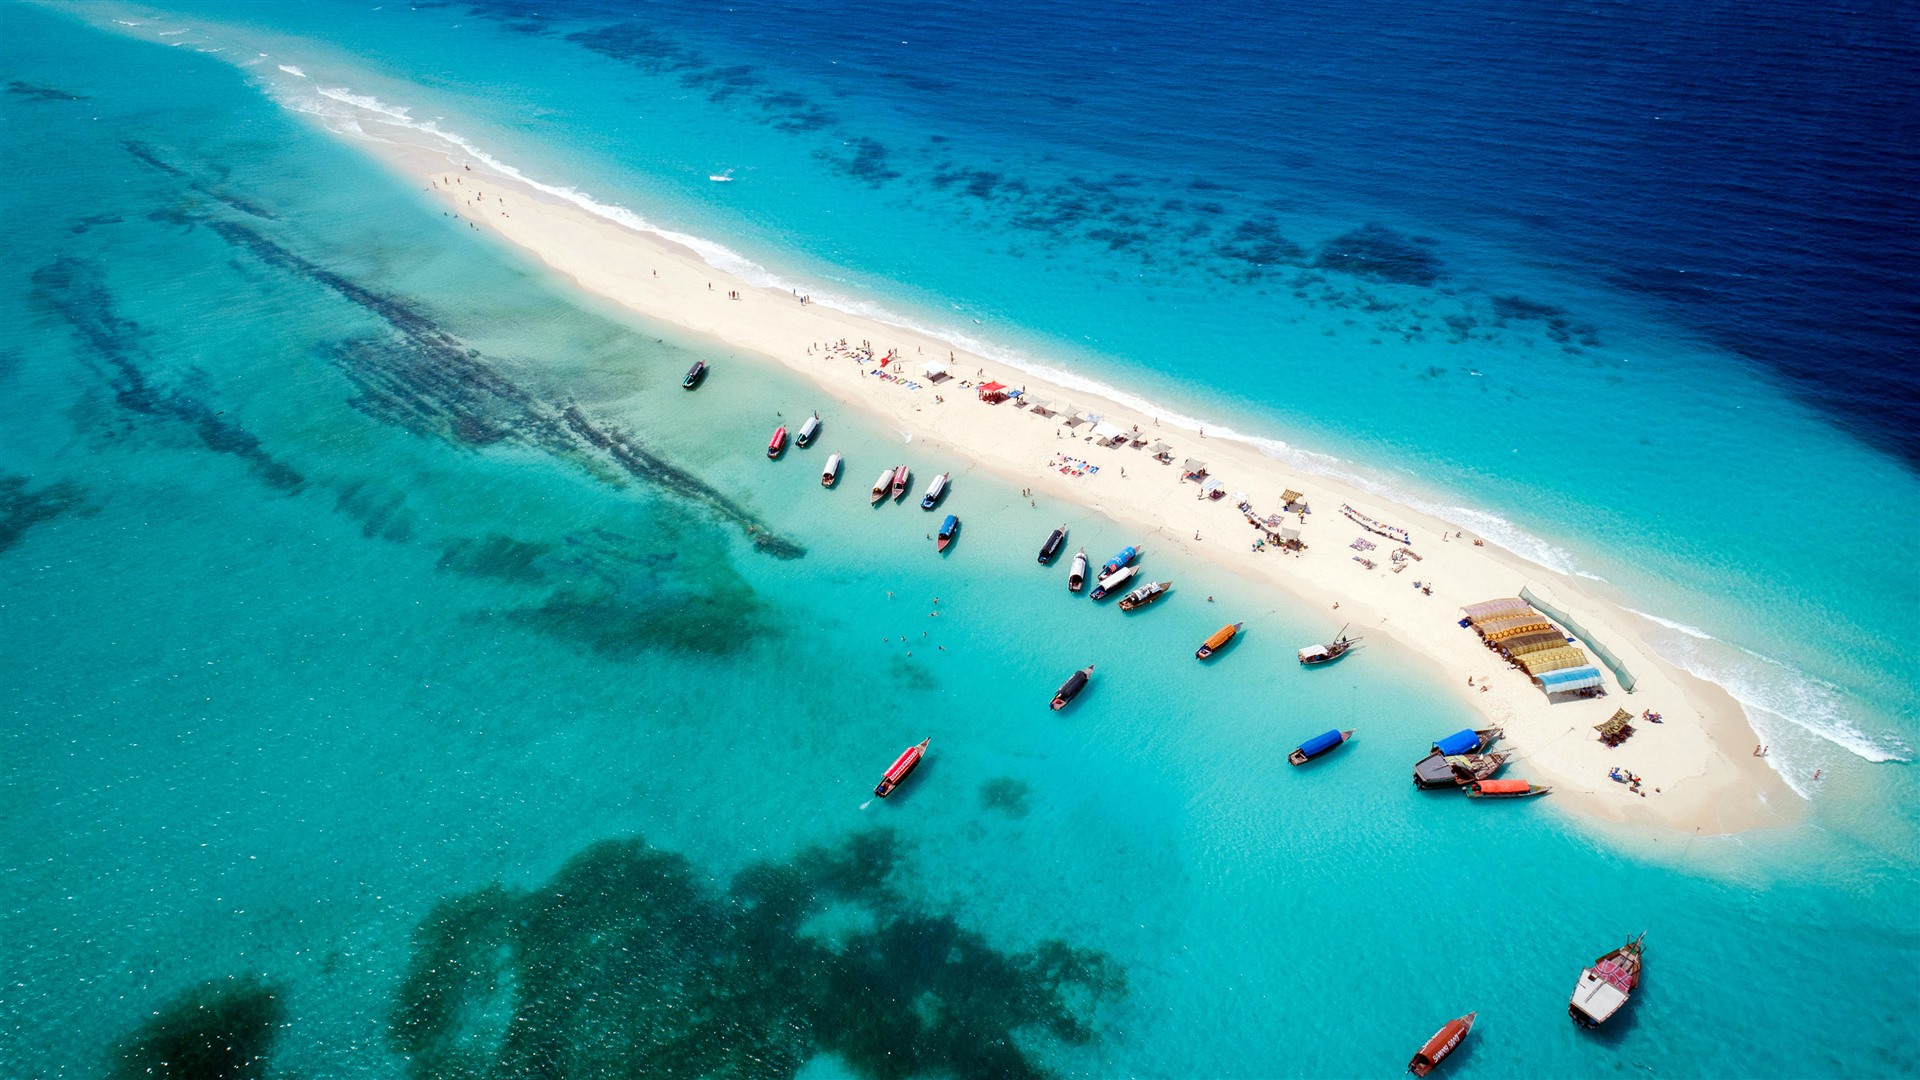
1697,760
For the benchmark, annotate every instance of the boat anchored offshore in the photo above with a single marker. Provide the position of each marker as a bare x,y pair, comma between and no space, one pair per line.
945,535
694,375
1070,689
1114,581
807,431
1504,789
901,766
778,444
1605,986
1468,741
1125,558
1052,547
1320,744
1217,642
1438,770
880,487
1444,1042
1144,595
935,492
1328,653
831,474
900,476
1077,577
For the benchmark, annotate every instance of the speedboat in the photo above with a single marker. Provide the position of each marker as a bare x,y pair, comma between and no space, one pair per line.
831,474
778,444
1125,558
1052,547
881,485
1443,1043
901,766
1605,986
1070,689
1077,577
945,535
900,476
807,431
694,374
1113,581
1320,744
1217,642
1144,595
935,491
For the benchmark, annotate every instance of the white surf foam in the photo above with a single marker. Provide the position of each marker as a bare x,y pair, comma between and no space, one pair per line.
294,71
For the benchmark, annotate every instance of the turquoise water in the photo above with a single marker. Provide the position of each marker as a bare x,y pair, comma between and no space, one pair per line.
324,616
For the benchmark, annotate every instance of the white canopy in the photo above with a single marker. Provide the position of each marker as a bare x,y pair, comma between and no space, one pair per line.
1105,430
1212,484
936,368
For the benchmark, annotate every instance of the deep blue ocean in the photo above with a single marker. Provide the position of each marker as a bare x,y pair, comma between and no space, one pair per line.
365,714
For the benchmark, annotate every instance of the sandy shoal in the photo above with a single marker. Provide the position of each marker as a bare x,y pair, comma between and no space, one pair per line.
1698,768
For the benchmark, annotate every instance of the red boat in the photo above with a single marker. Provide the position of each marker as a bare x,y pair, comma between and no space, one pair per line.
779,443
900,476
1443,1043
901,766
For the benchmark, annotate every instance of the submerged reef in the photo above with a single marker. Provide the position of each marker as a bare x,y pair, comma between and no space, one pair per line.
21,509
217,1030
1377,252
629,963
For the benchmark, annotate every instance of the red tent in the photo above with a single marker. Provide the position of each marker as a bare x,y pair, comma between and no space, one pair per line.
993,392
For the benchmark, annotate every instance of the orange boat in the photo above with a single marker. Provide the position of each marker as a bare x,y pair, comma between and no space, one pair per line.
1220,637
901,766
1443,1043
1504,789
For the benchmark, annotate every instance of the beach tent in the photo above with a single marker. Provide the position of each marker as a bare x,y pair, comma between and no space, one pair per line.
1289,534
1041,407
993,392
1553,660
1139,437
1159,449
1515,631
1289,497
1488,609
1537,641
1570,680
937,371
1620,721
1072,413
1194,467
1489,627
1107,432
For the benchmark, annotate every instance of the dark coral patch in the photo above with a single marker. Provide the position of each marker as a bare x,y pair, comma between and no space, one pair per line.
21,508
1006,794
217,1030
41,93
1377,252
628,963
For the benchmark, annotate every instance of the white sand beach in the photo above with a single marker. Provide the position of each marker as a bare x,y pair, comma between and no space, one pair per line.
1698,765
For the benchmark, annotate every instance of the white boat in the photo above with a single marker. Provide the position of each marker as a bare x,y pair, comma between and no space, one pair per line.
722,178
1077,577
934,491
807,431
882,485
1114,581
832,472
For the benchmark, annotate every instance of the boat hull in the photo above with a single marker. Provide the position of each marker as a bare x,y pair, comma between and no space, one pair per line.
1318,747
1077,577
778,444
902,766
1071,688
945,536
1051,549
831,474
935,492
808,432
695,376
1444,1042
1218,641
899,486
1605,988
1141,597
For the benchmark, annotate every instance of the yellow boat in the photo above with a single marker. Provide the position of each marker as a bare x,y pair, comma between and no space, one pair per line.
1220,637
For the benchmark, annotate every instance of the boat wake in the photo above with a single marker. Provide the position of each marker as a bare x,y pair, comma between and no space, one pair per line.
866,804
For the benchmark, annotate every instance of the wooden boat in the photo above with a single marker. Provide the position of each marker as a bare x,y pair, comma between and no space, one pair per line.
1218,641
1070,689
1113,581
831,474
1328,653
1468,741
945,535
935,491
694,374
1504,789
778,444
881,485
1323,743
1144,595
1125,558
1077,577
807,431
1438,770
1052,547
1607,985
1444,1042
901,766
900,476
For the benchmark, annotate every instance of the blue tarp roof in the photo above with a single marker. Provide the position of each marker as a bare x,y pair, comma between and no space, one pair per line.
1320,743
1561,682
1460,742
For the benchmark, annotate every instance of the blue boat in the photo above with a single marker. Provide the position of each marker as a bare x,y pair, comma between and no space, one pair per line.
947,529
1318,745
1468,741
1124,558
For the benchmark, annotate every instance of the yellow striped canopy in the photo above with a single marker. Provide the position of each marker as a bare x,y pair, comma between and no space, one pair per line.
1502,622
1535,626
1537,641
1553,660
1488,609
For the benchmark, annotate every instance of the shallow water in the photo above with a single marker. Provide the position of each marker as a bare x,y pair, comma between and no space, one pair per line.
326,614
